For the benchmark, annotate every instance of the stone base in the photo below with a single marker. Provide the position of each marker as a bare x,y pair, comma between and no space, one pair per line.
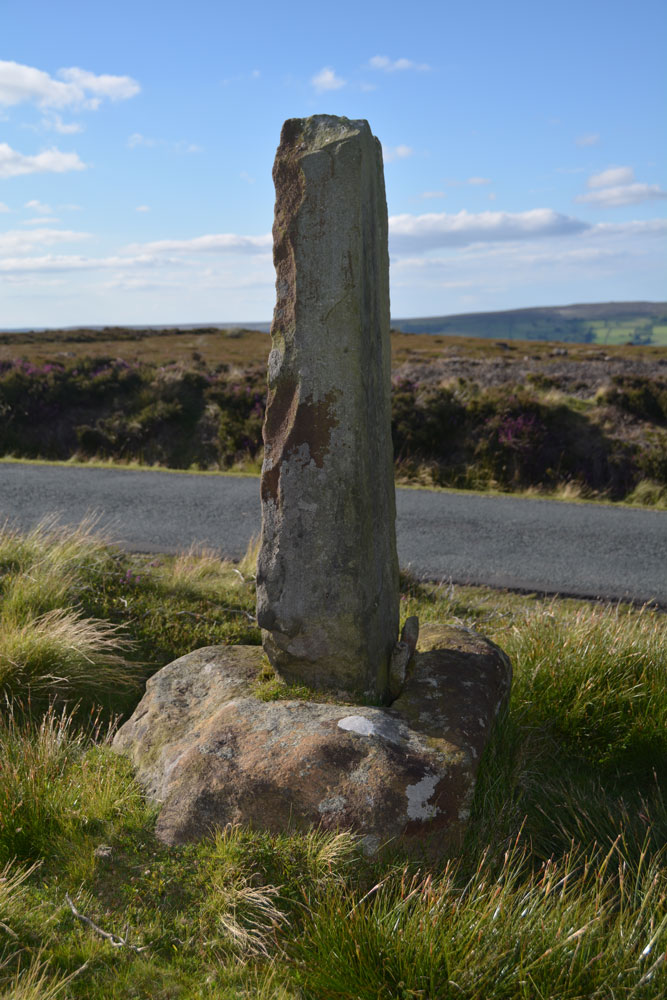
212,753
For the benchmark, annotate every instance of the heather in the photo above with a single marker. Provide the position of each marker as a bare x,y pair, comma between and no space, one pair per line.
495,427
168,414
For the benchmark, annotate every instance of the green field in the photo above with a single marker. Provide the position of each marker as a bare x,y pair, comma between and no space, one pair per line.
629,332
600,323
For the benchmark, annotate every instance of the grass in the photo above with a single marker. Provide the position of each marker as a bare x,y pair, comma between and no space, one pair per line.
47,647
558,893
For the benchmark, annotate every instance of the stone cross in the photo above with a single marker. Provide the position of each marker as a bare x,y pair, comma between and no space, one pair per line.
327,574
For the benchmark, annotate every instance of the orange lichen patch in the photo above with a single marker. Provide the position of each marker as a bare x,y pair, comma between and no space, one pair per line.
292,423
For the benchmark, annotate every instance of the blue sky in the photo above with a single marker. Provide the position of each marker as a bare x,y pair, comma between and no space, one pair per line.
524,148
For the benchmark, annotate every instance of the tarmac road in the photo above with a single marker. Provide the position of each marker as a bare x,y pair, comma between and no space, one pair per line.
585,550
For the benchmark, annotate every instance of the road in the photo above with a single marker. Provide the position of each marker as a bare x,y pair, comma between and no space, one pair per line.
586,550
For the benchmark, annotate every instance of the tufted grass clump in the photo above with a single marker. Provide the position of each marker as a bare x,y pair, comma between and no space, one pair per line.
63,652
34,982
47,646
582,925
648,493
595,680
58,782
81,620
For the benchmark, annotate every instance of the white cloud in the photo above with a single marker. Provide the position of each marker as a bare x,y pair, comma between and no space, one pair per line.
16,241
213,243
396,65
623,194
54,123
478,180
116,88
4,208
590,139
616,186
14,164
433,194
611,176
20,84
137,139
69,262
644,227
41,220
142,208
492,196
390,153
133,283
38,206
439,230
326,79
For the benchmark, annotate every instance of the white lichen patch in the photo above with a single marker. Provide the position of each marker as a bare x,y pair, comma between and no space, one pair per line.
360,774
358,724
389,729
418,798
370,844
335,804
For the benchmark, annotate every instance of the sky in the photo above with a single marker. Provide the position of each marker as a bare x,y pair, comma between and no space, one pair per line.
523,142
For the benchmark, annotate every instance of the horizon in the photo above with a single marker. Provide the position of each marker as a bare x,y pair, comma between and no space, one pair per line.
523,161
259,324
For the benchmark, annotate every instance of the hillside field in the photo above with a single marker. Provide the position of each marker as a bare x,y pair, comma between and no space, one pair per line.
601,323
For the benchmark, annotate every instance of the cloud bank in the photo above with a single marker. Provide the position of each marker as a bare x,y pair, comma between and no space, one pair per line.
429,231
15,164
74,88
616,186
212,243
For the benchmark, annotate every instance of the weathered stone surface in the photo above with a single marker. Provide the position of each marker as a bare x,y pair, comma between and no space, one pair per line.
212,753
327,577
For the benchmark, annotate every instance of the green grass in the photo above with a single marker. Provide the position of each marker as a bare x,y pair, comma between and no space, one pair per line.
559,891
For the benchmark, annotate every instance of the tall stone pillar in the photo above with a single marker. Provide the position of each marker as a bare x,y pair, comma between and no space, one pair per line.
327,575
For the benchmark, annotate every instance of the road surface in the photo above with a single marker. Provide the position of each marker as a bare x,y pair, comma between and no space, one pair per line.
586,550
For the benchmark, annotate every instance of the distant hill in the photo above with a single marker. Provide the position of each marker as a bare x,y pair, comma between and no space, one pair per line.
589,323
594,323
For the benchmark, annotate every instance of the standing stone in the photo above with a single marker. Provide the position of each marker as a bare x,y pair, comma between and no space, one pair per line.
327,575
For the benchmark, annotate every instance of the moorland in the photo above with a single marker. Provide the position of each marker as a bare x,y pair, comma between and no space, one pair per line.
577,419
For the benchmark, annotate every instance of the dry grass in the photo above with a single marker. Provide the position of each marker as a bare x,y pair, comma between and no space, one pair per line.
585,925
198,565
250,348
34,982
63,652
46,646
